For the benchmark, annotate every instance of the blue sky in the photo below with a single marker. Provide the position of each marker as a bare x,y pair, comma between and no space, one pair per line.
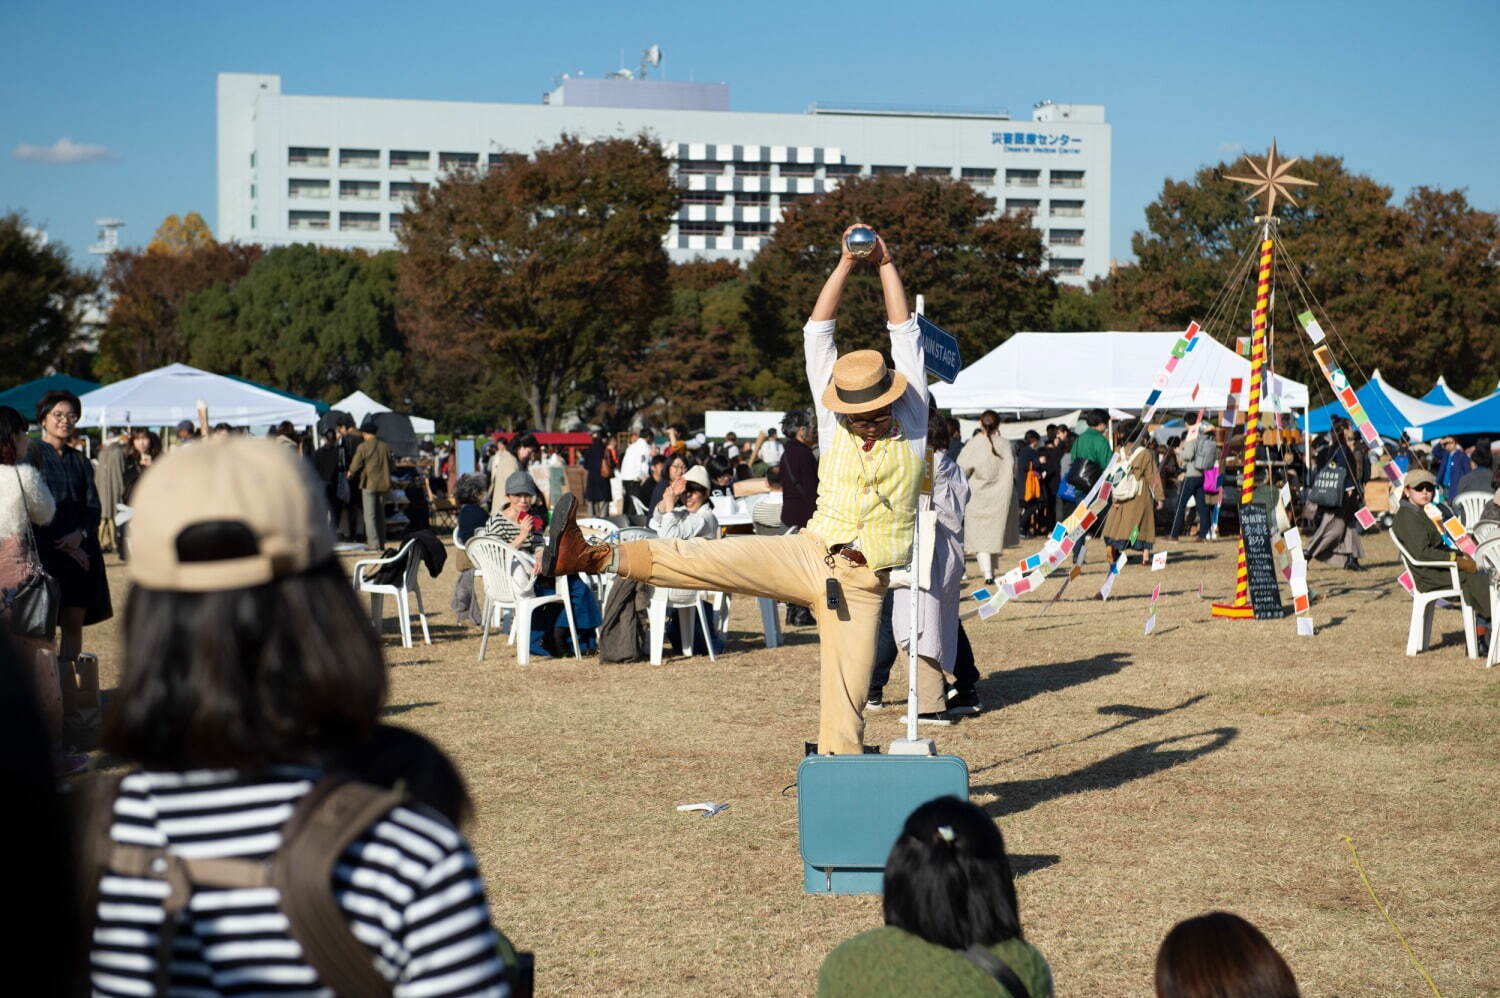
1407,95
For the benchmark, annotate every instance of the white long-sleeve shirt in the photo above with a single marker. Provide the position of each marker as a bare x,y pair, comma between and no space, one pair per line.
680,525
910,410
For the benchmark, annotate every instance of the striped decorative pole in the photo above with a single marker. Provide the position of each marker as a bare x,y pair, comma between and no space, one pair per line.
1240,608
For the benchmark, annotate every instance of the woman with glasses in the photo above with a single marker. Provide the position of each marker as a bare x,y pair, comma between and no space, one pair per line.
1424,542
69,545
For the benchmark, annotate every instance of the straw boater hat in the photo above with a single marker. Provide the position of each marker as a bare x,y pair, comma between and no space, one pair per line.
862,383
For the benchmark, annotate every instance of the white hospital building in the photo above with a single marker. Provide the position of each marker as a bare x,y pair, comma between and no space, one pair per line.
336,171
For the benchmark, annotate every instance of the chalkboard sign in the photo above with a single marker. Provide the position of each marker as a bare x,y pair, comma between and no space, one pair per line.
1265,591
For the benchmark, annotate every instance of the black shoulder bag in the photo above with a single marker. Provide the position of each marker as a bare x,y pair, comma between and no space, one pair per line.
33,612
996,968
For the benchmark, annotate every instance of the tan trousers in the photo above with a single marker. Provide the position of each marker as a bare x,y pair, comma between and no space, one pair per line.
792,568
930,685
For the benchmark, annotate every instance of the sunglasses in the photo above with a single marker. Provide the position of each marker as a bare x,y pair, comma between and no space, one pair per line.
1424,487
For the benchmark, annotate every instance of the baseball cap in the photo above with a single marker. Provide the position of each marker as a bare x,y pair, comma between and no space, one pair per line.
1419,476
232,513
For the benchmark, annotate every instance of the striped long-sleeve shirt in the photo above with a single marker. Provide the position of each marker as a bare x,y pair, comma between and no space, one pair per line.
409,887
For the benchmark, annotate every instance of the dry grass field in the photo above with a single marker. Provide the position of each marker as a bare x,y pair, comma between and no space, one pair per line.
1138,780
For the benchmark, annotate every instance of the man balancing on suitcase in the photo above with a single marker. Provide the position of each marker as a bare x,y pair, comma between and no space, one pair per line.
872,425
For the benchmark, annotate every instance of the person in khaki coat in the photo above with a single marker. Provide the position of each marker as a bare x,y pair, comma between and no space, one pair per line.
1135,514
370,472
992,520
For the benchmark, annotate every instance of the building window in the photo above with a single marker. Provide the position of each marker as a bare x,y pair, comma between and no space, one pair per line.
297,188
702,197
1066,178
359,190
410,159
307,156
842,169
458,161
1022,206
699,166
307,221
752,228
934,171
888,171
1068,266
397,220
359,159
747,198
742,169
685,228
359,221
252,159
252,222
406,188
978,176
1023,178
252,192
1065,237
798,170
1066,209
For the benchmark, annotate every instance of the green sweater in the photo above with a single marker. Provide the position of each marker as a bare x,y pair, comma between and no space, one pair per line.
891,963
1091,445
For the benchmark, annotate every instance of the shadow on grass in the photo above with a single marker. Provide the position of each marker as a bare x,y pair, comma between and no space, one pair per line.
1016,685
1136,763
1131,714
401,708
1024,863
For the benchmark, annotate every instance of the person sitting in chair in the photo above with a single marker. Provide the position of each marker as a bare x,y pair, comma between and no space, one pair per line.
1423,541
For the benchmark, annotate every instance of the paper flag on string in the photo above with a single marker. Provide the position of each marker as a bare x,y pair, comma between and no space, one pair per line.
1088,520
988,610
1454,526
1293,538
1301,603
1030,563
1405,579
1109,585
1134,533
1394,473
1304,627
1236,385
1348,398
1299,566
1150,623
1314,331
1279,546
1286,495
1120,562
981,594
1105,491
1299,585
1364,517
1172,365
1286,572
1013,575
1059,532
1466,544
1194,396
1066,545
1156,592
1242,345
1024,586
1155,394
1158,561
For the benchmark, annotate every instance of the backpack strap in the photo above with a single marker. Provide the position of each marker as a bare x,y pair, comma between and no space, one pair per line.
996,968
334,813
91,799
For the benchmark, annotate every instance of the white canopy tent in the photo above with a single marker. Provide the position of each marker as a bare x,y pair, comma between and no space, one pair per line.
1048,372
171,394
359,405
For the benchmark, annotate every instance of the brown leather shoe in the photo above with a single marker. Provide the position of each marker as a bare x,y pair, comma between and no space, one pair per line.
567,553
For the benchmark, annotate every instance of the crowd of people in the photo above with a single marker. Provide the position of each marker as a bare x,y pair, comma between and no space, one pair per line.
261,780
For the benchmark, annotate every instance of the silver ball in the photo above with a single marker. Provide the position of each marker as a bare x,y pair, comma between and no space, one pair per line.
860,241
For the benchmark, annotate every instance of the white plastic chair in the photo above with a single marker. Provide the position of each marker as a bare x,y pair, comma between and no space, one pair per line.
403,592
684,601
1487,555
1419,633
1469,505
597,530
510,584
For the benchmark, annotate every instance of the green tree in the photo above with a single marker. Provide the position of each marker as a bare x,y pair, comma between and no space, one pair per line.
147,288
550,268
981,275
41,299
1412,289
317,322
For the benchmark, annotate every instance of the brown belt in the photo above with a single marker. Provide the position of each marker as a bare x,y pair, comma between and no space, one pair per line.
853,556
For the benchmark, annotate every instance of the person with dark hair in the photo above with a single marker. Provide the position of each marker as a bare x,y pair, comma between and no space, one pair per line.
1087,459
721,477
1130,524
248,671
992,518
69,545
469,495
872,415
677,465
1199,453
635,466
1337,532
1029,488
1482,478
370,472
599,467
1220,955
952,926
799,470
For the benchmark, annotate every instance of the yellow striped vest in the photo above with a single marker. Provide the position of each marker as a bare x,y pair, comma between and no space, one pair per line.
869,495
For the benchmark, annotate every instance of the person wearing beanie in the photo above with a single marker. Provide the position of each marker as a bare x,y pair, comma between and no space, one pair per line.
872,424
370,471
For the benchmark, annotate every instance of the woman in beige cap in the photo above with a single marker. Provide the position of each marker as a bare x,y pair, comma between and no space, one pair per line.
872,423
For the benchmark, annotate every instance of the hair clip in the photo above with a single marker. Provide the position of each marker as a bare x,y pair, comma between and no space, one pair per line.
945,832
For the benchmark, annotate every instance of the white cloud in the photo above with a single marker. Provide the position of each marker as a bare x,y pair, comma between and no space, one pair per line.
64,150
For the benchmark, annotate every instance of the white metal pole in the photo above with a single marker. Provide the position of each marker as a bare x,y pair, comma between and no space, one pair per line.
911,745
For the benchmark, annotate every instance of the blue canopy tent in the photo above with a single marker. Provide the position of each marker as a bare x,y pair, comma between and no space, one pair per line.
1389,409
1482,417
24,397
1441,394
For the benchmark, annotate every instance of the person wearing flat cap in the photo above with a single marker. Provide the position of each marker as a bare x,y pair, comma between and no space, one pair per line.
872,424
1423,540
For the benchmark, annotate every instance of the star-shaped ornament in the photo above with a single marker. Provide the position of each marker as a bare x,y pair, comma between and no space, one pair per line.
1272,179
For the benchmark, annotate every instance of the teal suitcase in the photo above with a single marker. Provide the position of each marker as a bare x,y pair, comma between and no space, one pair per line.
850,808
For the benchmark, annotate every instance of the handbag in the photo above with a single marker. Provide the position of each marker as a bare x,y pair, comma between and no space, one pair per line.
1328,486
1211,480
33,611
1083,473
